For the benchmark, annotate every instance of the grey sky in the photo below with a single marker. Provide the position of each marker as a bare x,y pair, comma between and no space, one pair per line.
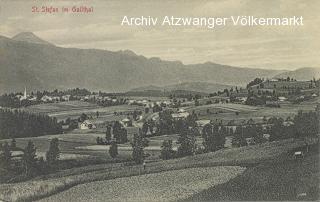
261,47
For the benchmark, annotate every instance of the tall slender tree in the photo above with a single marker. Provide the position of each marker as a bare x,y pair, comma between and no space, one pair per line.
53,154
29,158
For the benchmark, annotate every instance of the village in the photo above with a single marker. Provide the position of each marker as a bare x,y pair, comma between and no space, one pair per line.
95,127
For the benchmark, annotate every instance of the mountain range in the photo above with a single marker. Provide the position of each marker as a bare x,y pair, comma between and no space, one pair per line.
27,60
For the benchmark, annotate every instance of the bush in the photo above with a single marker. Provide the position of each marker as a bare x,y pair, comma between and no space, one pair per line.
166,150
113,150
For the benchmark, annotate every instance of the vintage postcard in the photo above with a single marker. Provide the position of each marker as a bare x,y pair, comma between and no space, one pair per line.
159,100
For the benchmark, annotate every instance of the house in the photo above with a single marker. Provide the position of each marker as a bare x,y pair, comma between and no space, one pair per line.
288,123
126,122
66,97
178,116
203,122
266,137
181,110
32,98
282,99
228,142
87,125
56,98
46,98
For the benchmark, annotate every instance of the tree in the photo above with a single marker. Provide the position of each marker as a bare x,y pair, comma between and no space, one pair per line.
13,143
83,117
5,156
277,129
187,143
166,150
123,136
239,140
258,135
108,134
117,127
113,150
165,123
145,128
53,154
196,102
29,158
138,144
213,138
307,124
191,119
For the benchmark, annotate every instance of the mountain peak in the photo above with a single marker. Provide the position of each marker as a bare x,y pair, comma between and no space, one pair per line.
30,38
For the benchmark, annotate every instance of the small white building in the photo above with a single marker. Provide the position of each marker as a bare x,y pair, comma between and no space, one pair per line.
66,97
46,98
282,99
182,115
87,125
126,122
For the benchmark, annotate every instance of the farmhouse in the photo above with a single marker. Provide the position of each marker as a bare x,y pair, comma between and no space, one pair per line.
87,125
66,97
46,98
282,99
180,115
126,122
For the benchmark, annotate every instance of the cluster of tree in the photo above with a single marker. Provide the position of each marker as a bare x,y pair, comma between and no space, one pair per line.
16,123
254,82
184,94
12,101
138,144
213,137
73,92
166,124
148,127
304,124
109,102
117,131
186,140
255,100
30,164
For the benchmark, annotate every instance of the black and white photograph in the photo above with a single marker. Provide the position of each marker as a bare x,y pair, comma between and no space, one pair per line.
159,100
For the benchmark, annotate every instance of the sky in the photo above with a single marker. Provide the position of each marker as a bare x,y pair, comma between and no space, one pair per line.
257,47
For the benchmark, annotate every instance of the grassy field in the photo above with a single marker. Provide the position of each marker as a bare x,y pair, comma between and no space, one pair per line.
73,110
289,180
60,106
151,187
227,112
57,182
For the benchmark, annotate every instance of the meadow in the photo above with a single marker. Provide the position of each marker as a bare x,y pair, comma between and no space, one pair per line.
152,187
63,180
239,113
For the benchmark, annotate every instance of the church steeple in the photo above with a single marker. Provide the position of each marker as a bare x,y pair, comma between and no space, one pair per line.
25,93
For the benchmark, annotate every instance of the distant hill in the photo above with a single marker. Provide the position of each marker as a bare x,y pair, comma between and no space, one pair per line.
204,87
306,74
30,38
27,60
201,87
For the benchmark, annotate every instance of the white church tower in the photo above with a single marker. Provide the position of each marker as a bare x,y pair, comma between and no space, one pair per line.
24,94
